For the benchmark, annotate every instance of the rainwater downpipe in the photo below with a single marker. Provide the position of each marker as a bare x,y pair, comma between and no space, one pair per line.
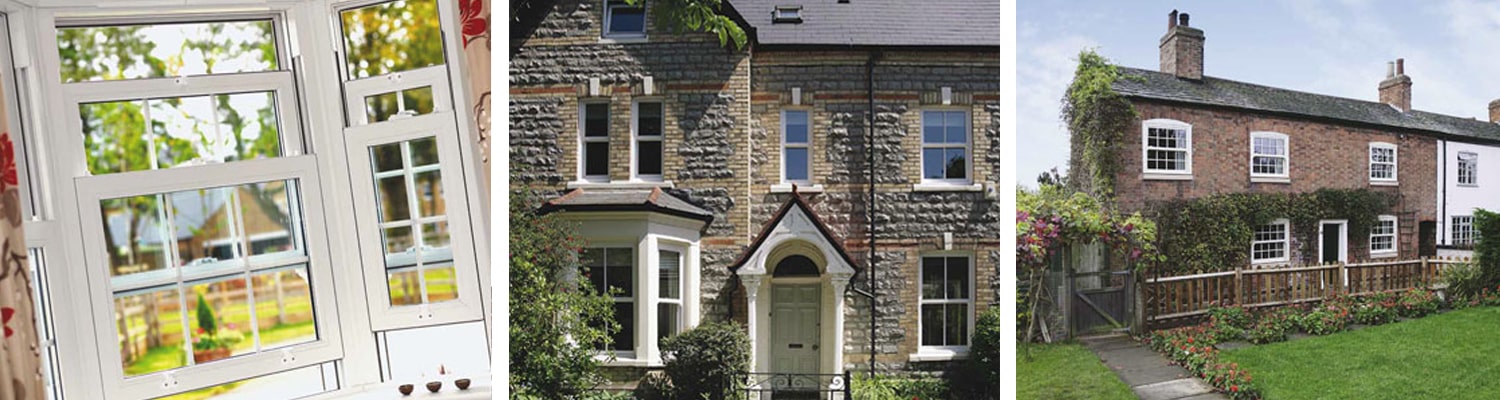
870,164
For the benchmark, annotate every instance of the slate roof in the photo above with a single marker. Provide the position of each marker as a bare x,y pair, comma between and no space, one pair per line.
877,22
1147,84
654,200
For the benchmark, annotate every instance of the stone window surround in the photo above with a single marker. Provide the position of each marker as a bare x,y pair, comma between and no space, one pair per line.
1461,233
1286,232
1285,156
944,353
1468,167
635,138
649,234
1156,174
606,36
1395,164
965,184
1395,245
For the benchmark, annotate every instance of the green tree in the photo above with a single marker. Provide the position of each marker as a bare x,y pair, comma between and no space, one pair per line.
556,319
679,16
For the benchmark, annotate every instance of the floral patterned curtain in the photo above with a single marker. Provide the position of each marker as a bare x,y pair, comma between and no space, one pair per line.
20,355
475,18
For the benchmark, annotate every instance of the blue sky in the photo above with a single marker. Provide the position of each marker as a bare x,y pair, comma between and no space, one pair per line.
1337,47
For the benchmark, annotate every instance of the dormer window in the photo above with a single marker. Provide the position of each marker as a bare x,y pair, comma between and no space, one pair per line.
622,20
787,14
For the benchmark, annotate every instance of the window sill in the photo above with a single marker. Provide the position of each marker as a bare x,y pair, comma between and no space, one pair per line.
1269,262
801,188
1384,183
482,387
1166,176
620,185
627,362
947,187
623,39
932,355
1270,179
1385,254
1468,185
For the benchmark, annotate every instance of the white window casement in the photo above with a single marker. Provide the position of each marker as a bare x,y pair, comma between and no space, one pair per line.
1461,230
669,318
1383,237
1269,157
1269,243
593,143
946,152
1468,168
624,21
946,307
647,124
611,271
196,167
796,153
1382,163
1166,150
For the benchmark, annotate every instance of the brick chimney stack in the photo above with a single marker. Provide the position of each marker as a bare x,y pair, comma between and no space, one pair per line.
1182,48
1495,111
1396,88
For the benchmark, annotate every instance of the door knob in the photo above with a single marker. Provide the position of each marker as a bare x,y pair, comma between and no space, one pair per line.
815,347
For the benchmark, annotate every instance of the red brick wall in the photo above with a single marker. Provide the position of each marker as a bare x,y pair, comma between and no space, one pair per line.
1322,155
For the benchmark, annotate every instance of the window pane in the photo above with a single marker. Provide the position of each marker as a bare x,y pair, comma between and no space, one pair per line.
627,19
956,166
620,263
596,120
932,277
133,234
391,37
649,120
932,127
957,325
283,307
406,286
932,325
429,193
670,274
268,221
390,196
435,235
796,164
404,103
667,323
649,162
164,50
796,127
202,217
596,158
933,163
958,278
220,326
624,340
150,331
183,131
398,239
956,127
423,151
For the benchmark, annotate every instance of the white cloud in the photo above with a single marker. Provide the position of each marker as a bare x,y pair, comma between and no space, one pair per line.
1045,69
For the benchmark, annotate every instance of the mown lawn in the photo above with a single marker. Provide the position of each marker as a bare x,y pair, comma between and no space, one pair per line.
1454,355
1065,371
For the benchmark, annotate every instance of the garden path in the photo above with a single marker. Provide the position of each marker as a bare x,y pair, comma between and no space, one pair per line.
1149,375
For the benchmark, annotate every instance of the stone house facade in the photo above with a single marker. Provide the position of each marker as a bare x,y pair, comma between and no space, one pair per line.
741,176
1200,135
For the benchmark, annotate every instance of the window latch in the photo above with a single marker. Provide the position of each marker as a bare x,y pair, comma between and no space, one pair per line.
168,380
287,357
396,77
180,81
424,312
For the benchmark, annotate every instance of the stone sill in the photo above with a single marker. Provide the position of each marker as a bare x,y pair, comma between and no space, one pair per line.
1389,254
1165,176
623,39
631,362
1270,179
620,185
938,355
481,388
1468,185
787,188
947,187
1384,183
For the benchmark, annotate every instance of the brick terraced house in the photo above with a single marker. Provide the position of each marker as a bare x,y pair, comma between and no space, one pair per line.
1200,135
721,184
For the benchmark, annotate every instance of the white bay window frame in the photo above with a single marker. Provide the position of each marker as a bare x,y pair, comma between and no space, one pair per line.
54,143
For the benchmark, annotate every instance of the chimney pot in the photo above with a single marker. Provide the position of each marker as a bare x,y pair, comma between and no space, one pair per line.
1171,20
1400,66
1183,19
1495,111
1390,69
1395,89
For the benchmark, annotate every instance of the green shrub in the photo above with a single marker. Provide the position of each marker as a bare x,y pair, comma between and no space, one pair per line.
893,388
1376,309
984,357
1232,316
1324,320
1417,303
1273,326
703,362
1464,280
1486,247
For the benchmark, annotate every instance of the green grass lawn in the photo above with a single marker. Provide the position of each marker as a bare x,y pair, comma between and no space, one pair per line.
169,357
1454,355
1065,371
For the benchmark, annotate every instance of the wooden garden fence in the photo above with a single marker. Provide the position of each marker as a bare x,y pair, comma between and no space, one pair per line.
1176,297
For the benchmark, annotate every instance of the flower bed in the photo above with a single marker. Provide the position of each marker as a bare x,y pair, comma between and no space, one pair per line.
1193,347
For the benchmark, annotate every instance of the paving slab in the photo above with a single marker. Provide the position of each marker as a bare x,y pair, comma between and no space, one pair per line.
1172,390
1148,373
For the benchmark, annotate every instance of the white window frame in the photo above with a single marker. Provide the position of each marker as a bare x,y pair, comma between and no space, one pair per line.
584,140
1395,232
681,288
1461,237
636,297
930,352
785,144
1286,158
609,9
1468,167
1166,174
1286,243
1394,163
636,139
968,148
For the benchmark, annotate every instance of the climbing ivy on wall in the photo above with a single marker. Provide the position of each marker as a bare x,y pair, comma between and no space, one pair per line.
1097,118
1213,233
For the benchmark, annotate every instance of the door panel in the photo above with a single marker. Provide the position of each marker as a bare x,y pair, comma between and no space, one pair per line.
794,326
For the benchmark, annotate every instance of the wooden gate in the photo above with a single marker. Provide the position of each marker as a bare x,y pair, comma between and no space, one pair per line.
1099,296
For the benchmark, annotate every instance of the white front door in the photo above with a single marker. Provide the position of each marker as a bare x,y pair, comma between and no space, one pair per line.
794,327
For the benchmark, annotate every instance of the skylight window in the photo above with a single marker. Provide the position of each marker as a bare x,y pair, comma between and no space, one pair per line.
787,14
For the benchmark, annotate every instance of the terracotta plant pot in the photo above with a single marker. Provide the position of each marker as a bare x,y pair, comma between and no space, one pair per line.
463,384
405,389
434,386
203,356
